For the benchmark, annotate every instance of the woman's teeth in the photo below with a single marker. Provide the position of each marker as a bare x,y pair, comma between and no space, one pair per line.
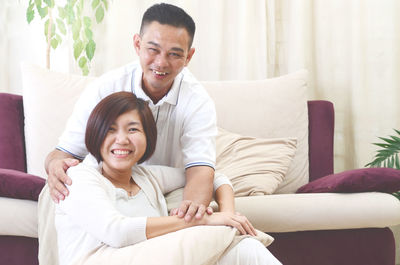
120,152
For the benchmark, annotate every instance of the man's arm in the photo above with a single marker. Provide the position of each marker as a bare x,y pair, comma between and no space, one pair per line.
56,164
197,193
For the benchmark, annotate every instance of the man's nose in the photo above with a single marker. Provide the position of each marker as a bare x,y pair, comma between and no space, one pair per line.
161,61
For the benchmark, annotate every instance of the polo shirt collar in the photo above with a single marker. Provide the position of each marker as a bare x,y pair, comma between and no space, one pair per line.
171,97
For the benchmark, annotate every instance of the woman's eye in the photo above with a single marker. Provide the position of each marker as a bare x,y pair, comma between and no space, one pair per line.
133,129
111,129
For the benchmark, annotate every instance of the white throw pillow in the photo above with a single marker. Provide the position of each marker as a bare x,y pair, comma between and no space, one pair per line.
255,166
270,108
49,98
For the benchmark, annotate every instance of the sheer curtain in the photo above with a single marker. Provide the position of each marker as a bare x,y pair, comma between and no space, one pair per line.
350,47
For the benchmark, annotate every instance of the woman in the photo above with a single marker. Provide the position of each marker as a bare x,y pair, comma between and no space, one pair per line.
114,203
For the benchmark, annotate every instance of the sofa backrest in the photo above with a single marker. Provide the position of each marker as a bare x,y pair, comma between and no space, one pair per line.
321,133
12,144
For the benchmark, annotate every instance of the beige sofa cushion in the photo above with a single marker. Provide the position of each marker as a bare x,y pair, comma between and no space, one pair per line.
271,108
255,166
48,101
18,217
320,211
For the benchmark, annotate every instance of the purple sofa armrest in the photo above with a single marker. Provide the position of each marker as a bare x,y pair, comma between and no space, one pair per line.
12,139
321,125
357,180
19,185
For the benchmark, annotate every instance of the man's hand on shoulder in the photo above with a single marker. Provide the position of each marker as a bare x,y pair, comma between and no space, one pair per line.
57,163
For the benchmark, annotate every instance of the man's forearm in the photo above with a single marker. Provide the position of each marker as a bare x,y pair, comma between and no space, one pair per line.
199,184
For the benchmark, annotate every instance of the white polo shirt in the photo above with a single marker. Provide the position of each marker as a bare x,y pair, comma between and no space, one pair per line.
185,118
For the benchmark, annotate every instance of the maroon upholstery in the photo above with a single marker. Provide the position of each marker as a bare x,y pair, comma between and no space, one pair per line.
20,185
18,250
372,246
321,125
12,143
356,180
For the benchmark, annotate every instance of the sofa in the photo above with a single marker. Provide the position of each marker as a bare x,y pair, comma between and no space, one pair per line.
322,220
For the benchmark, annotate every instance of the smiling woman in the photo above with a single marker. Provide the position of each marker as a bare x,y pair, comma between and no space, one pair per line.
115,205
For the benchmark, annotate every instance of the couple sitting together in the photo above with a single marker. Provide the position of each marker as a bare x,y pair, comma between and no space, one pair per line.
112,210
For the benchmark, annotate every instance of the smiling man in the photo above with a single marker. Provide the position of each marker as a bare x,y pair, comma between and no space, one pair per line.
183,111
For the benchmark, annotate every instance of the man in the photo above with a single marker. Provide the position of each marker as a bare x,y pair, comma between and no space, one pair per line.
184,113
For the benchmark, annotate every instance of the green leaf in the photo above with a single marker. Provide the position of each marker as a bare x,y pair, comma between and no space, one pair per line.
59,39
388,155
99,14
82,61
397,162
61,26
46,28
90,49
95,3
30,14
49,3
89,34
87,21
54,43
38,3
61,13
85,70
78,48
69,10
42,11
105,4
76,29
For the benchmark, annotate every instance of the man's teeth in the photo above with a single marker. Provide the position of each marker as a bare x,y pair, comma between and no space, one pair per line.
120,152
160,73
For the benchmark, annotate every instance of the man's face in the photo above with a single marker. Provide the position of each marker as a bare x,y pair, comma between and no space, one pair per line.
163,51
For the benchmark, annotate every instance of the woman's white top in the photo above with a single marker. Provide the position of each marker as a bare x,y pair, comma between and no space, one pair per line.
96,212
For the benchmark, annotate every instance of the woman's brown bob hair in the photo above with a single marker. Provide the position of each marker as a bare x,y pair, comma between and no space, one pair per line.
107,111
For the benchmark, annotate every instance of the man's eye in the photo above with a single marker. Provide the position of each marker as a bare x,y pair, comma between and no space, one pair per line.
152,50
177,55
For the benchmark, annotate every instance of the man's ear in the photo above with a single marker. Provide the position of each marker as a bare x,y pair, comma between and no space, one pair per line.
136,43
189,56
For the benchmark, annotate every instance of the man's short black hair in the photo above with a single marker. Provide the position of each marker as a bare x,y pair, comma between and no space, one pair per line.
167,14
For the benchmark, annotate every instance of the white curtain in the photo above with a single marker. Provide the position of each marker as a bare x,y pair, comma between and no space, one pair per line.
350,47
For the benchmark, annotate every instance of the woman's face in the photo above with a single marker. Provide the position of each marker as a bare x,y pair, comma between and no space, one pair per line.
124,144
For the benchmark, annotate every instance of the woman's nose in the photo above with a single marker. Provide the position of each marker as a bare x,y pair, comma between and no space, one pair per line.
122,138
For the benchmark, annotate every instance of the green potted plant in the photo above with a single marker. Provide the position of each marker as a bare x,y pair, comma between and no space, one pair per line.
70,18
388,154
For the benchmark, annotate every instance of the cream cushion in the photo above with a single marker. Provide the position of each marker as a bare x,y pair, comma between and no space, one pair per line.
18,217
270,108
314,211
49,98
255,166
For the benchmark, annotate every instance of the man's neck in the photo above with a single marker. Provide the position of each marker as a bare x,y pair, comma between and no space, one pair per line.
155,95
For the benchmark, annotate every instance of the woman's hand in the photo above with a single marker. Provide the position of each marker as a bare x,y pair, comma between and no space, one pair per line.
229,219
